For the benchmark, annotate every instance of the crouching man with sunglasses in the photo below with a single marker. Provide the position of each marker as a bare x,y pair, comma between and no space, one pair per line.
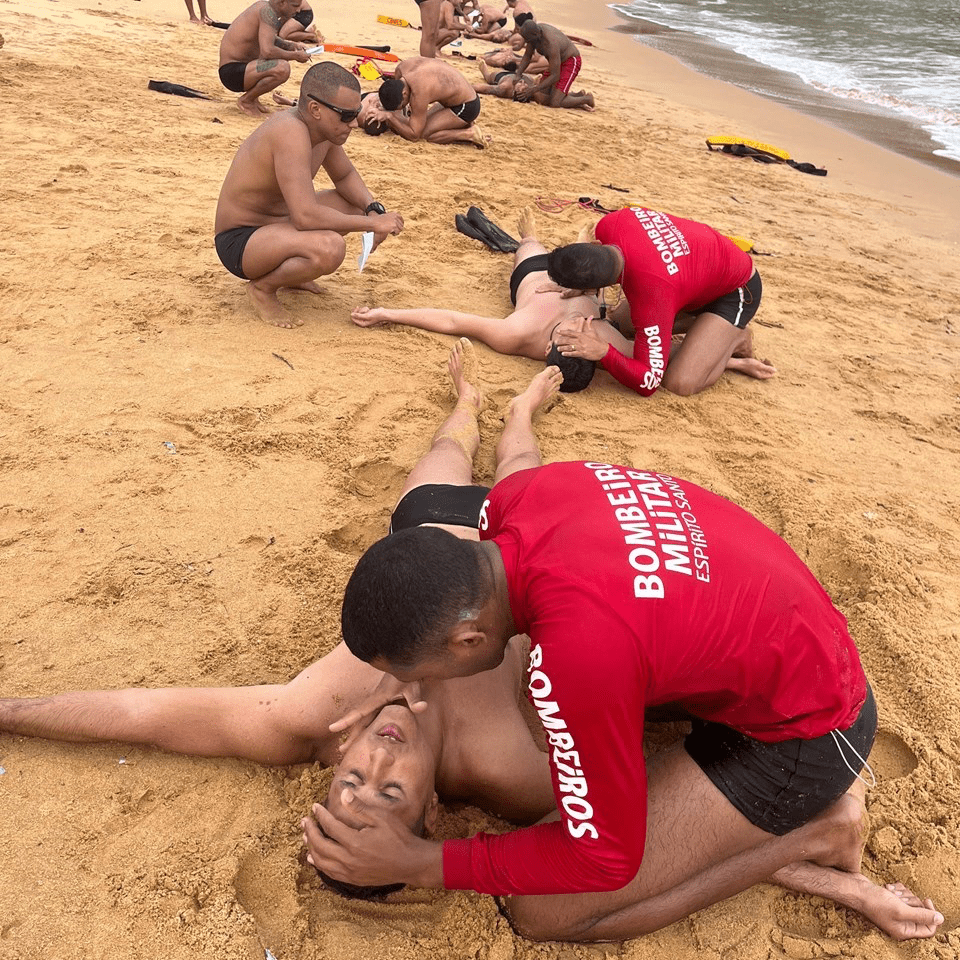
272,227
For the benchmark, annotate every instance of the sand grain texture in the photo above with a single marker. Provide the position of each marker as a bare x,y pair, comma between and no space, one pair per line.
184,491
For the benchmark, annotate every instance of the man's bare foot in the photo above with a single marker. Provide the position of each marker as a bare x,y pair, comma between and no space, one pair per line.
894,908
752,367
269,309
541,388
368,316
253,109
283,101
526,223
464,367
309,285
479,139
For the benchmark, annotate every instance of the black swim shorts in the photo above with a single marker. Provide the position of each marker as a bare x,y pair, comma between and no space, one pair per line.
439,503
502,22
781,786
230,245
521,18
467,112
534,264
305,17
738,306
231,76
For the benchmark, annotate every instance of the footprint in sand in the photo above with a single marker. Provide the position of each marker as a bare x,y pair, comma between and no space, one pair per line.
891,758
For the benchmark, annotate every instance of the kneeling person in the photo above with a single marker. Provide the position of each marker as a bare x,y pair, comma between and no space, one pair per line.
272,228
666,266
420,82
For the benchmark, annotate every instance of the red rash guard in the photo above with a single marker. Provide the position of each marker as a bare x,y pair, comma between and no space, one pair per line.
637,589
669,265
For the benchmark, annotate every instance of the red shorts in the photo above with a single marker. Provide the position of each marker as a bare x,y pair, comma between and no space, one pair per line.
568,73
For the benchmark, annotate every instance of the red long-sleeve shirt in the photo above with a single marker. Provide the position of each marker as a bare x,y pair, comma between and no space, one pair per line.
670,264
638,589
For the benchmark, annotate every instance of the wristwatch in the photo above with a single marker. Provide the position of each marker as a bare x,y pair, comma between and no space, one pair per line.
375,206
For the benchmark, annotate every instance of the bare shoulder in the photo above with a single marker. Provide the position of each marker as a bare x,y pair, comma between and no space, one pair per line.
285,131
267,14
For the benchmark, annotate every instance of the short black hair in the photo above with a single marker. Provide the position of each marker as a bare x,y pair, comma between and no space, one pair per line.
582,266
407,592
352,891
391,94
355,891
325,79
577,371
529,30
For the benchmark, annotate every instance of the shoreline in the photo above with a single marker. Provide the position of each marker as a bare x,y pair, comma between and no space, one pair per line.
924,198
717,61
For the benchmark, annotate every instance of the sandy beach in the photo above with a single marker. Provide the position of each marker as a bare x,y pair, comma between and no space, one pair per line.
184,490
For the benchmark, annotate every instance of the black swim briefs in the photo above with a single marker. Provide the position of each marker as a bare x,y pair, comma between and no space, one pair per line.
502,22
521,18
534,264
305,17
738,306
781,786
231,76
439,503
467,112
230,245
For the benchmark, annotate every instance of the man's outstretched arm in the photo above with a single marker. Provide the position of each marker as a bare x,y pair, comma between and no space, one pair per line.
248,722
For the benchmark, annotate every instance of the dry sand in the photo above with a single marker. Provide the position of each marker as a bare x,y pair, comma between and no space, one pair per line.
183,490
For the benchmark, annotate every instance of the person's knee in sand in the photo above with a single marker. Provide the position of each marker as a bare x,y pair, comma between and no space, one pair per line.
822,858
766,787
272,227
443,106
254,58
526,332
672,271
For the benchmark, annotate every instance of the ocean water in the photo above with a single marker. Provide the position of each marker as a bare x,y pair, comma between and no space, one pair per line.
897,60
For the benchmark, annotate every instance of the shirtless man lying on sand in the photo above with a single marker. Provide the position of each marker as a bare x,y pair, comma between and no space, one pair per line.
254,59
528,331
397,761
501,83
419,82
272,227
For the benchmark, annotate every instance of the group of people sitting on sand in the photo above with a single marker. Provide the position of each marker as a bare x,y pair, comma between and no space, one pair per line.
257,48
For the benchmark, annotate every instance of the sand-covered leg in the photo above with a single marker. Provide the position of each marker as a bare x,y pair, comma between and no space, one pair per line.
517,448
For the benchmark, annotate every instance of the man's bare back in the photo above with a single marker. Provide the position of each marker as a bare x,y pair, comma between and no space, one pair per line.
433,81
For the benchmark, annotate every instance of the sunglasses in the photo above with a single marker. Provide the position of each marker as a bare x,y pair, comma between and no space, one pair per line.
346,116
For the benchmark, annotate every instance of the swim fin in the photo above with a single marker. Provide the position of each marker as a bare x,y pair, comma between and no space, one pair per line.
500,239
469,230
